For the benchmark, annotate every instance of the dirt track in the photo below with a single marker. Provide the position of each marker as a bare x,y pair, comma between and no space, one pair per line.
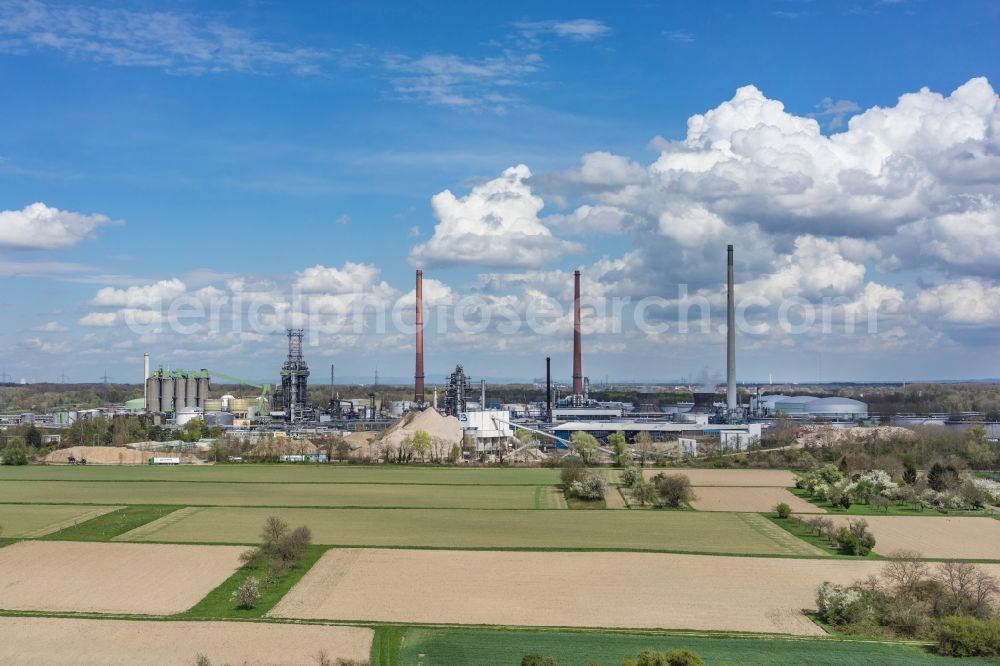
46,641
755,499
647,590
111,577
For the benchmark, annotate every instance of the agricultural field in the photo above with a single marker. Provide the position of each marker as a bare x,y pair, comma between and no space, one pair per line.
283,494
748,498
89,642
425,646
474,587
777,478
110,577
31,522
289,473
940,537
685,531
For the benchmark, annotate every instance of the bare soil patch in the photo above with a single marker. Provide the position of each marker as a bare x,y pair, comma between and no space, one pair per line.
647,590
778,478
121,642
108,455
757,499
111,577
935,536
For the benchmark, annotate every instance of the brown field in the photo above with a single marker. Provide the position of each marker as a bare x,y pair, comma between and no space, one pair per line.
627,590
35,640
778,478
758,499
111,577
935,536
613,499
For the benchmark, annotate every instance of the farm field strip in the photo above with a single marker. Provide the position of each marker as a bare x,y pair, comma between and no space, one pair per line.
775,478
686,531
111,577
764,526
89,642
474,587
31,522
273,494
488,647
288,473
744,498
940,537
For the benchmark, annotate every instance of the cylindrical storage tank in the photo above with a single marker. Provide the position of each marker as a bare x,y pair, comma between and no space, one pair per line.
191,398
213,405
180,392
396,408
203,389
153,394
239,405
225,400
167,395
186,414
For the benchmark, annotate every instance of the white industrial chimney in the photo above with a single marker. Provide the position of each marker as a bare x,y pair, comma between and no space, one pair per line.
145,378
730,334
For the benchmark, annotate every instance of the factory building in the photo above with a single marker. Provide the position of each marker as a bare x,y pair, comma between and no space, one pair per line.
736,434
169,391
828,409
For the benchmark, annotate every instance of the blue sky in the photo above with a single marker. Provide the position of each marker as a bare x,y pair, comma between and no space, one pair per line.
227,145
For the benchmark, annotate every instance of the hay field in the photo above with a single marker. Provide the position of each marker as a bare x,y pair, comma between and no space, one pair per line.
647,590
686,531
31,522
33,640
777,478
290,473
111,577
941,537
279,494
742,498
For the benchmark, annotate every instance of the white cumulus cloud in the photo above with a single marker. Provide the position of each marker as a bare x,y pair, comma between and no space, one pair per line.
39,227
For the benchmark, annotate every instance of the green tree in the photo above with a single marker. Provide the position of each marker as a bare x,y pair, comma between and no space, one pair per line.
622,455
421,443
909,469
643,492
674,489
15,453
33,437
584,445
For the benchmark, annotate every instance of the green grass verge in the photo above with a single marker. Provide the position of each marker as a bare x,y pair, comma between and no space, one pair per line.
112,524
574,502
803,532
218,604
481,647
386,645
866,509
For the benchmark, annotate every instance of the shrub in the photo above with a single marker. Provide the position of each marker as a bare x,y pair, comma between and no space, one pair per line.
969,637
14,453
292,546
247,595
783,510
845,501
856,538
535,659
682,658
629,476
839,605
643,492
674,489
590,487
572,470
202,660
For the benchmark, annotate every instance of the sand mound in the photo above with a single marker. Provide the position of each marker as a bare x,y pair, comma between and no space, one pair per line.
106,455
445,428
827,436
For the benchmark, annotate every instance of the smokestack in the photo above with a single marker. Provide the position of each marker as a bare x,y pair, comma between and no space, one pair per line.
730,334
548,389
577,343
418,376
145,377
482,394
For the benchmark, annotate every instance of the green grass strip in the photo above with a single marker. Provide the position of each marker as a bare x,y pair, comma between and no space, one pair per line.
109,525
218,604
386,645
805,533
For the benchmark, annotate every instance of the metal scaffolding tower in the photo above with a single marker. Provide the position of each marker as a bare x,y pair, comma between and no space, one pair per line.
294,376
